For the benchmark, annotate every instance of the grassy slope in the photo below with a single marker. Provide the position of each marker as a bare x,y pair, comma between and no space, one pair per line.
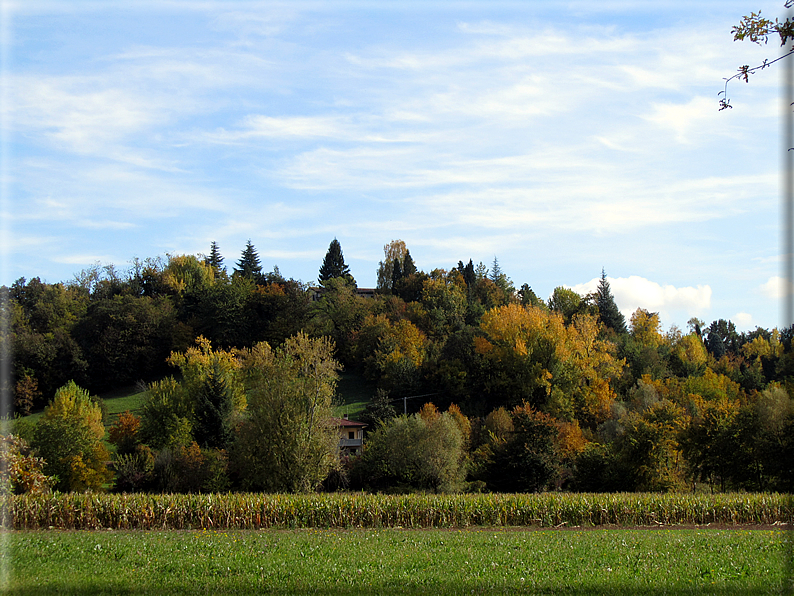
354,393
397,562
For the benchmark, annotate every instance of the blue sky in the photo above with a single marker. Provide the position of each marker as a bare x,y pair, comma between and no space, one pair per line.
560,137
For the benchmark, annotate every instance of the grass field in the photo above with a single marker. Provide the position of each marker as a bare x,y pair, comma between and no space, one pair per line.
665,561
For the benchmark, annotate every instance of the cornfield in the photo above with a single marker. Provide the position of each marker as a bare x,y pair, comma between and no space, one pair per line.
138,511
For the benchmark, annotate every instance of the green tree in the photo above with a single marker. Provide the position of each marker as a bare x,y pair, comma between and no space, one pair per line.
248,265
395,250
528,297
69,438
334,264
215,260
166,415
526,461
287,441
413,453
409,268
567,302
608,312
378,410
127,338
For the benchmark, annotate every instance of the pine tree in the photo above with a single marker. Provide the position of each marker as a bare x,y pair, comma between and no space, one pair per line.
334,264
608,311
248,265
215,260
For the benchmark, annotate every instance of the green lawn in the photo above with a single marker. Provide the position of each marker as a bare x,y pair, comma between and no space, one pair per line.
393,561
355,393
131,400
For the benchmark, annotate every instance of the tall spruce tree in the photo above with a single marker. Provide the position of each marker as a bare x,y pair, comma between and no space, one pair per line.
215,260
248,265
334,264
608,311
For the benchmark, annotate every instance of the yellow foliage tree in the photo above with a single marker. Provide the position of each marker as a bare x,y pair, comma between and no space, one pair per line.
570,366
69,438
646,328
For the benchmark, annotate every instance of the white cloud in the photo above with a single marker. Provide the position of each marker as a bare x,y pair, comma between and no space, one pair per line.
743,320
775,287
635,292
688,119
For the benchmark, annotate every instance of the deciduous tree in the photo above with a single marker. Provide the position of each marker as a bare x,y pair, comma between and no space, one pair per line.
287,441
69,438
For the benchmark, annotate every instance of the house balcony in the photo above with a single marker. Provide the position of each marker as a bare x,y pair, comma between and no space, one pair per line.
350,443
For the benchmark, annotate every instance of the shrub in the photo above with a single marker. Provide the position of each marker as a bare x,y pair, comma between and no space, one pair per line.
20,470
124,433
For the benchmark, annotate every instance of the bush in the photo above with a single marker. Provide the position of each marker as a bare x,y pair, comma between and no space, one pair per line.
124,433
20,470
409,453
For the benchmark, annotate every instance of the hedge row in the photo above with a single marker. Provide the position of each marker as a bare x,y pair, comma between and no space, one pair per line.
253,511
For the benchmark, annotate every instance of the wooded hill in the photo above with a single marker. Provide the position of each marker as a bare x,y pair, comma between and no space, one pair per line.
526,394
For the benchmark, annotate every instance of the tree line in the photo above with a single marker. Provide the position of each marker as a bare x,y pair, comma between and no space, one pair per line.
526,394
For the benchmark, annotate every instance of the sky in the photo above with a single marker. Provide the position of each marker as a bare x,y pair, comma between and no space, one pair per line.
562,138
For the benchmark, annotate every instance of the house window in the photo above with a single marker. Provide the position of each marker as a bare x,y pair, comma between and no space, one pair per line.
351,435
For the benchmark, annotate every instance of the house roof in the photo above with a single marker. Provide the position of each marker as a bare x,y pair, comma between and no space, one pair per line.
344,422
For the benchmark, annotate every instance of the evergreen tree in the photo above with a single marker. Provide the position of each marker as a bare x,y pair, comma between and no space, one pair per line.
215,260
608,312
248,265
214,406
498,277
334,264
409,268
528,296
469,276
496,271
396,273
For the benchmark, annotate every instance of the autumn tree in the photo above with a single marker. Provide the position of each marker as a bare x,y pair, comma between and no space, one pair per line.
391,353
214,391
69,438
187,273
533,357
21,471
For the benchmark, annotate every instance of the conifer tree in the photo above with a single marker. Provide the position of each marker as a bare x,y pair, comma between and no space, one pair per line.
215,260
608,312
396,273
409,268
248,265
334,264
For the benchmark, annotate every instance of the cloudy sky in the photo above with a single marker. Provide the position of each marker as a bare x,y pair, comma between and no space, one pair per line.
559,137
